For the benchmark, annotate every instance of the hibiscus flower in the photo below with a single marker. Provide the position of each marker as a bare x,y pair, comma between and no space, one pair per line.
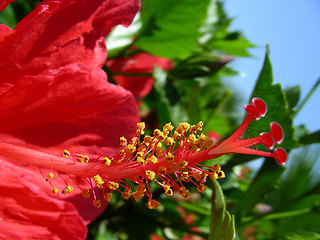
54,96
134,72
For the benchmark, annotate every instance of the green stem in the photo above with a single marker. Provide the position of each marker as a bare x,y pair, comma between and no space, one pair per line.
307,97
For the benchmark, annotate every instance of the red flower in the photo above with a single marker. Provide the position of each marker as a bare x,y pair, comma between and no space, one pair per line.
134,72
54,96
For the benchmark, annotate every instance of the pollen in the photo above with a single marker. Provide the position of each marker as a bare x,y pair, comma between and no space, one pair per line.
50,175
150,174
54,190
82,158
153,204
215,168
96,203
66,153
85,193
112,185
123,141
141,125
68,189
99,182
184,192
152,159
107,161
162,170
202,188
169,158
107,196
127,193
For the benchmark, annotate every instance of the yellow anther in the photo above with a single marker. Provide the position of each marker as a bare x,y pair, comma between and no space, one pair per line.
182,163
184,192
107,161
199,176
134,140
183,128
66,153
162,170
68,189
141,125
192,147
176,135
159,145
147,139
199,125
130,148
112,185
209,143
153,204
137,195
202,188
158,134
185,175
96,203
54,190
220,174
202,139
99,182
191,138
107,196
141,161
122,153
152,159
140,154
175,167
83,159
139,132
169,141
140,192
215,168
123,141
159,152
50,175
213,176
85,193
150,174
168,127
167,189
127,193
169,158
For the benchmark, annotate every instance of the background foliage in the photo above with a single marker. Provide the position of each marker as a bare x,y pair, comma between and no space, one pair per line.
263,200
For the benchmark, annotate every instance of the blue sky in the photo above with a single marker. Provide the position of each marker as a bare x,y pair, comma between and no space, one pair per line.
292,29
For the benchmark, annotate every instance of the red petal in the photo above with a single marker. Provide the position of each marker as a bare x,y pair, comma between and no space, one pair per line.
5,3
58,33
27,212
140,86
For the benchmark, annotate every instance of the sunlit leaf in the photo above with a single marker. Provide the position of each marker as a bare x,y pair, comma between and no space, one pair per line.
170,28
278,110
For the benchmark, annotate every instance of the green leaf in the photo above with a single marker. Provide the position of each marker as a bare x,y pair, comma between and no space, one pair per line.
236,47
278,110
310,138
8,17
171,28
292,95
222,223
265,182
